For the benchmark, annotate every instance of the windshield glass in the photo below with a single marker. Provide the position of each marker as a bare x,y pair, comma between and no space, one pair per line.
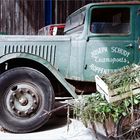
75,22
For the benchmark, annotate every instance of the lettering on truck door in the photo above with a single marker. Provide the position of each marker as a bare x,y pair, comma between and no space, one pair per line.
110,44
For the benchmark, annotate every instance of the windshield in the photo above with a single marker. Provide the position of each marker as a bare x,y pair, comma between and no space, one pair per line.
75,22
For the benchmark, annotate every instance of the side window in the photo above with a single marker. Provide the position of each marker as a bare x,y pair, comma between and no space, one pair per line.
110,21
75,22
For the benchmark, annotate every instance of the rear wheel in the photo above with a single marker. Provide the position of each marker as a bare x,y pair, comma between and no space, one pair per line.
25,95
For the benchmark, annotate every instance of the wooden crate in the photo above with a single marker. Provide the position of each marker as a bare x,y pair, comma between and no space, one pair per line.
115,95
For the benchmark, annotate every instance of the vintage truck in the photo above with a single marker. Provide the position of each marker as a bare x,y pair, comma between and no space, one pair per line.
34,70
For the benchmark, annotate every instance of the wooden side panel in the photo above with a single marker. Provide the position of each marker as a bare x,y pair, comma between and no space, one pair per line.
21,16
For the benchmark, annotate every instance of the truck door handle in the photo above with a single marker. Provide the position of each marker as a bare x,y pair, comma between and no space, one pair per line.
139,48
129,46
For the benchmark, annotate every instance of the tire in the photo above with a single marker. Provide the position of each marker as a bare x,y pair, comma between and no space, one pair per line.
25,95
129,129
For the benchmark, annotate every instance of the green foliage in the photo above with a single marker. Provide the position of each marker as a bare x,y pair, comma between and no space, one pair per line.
95,108
127,76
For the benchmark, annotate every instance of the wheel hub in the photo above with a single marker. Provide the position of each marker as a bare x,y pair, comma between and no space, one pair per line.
23,100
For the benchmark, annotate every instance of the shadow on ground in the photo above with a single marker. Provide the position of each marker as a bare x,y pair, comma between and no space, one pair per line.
57,120
53,123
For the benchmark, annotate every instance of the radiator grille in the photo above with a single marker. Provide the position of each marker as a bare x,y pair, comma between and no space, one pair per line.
46,52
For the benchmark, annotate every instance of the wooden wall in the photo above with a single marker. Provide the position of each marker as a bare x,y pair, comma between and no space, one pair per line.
28,16
21,16
66,7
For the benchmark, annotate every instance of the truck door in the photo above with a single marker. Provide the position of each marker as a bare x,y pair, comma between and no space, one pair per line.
110,42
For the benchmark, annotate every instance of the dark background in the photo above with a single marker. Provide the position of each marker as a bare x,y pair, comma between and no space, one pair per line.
26,17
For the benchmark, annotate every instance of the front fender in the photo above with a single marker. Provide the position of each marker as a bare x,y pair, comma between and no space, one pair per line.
46,64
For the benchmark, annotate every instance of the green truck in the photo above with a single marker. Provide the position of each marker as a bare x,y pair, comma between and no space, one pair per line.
34,70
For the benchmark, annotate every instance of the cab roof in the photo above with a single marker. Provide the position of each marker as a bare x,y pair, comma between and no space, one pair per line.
106,3
116,3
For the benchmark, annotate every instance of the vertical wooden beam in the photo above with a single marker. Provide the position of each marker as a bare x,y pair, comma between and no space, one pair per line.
0,16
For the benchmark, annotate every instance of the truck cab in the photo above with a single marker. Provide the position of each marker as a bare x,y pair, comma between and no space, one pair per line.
107,39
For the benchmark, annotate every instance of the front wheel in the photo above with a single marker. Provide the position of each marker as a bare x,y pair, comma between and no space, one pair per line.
25,95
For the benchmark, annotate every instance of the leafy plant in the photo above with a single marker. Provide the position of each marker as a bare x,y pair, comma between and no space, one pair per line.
95,108
125,77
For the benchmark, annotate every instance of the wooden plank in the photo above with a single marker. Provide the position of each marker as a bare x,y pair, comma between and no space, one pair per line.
115,95
4,19
21,16
17,18
11,14
0,16
41,19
